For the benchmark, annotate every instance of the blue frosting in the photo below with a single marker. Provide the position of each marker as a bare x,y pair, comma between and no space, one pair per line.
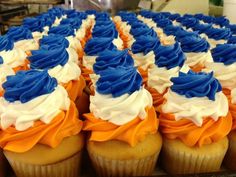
48,57
112,59
54,39
174,16
118,81
34,24
6,43
126,14
96,45
165,14
102,16
142,31
232,40
189,22
137,24
193,84
19,33
170,56
193,43
74,14
147,13
224,53
75,23
145,44
46,19
90,12
183,33
172,30
56,11
64,30
105,31
201,28
222,21
199,16
188,16
27,85
1,60
232,28
162,22
208,19
218,33
104,23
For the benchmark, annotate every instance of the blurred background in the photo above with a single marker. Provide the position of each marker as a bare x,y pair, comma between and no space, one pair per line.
13,11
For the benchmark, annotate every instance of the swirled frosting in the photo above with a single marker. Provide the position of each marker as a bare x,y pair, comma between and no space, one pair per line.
193,43
48,57
196,85
162,22
218,33
112,59
224,53
113,79
34,24
105,31
232,40
64,30
201,28
232,27
145,44
170,56
142,31
6,43
222,21
5,71
54,39
233,96
189,22
19,33
75,23
96,45
27,85
172,30
174,16
102,16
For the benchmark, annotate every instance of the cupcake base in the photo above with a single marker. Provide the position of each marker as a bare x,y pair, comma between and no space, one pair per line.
43,161
82,104
116,158
230,157
177,158
2,164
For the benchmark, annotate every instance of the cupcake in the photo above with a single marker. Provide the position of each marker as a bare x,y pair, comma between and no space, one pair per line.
123,124
91,51
169,61
224,68
55,59
44,124
69,33
14,57
194,118
143,53
197,51
22,38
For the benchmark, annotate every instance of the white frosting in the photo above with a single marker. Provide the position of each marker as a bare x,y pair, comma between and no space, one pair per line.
64,74
94,78
27,44
148,21
214,42
14,58
73,55
38,35
201,58
159,77
118,43
233,96
88,61
5,71
144,61
57,21
123,109
43,108
167,40
226,74
74,43
195,108
80,33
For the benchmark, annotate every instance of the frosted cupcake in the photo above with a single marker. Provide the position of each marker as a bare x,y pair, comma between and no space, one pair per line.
14,57
224,68
169,61
55,59
123,124
195,119
69,33
232,40
92,49
22,38
143,52
197,51
44,124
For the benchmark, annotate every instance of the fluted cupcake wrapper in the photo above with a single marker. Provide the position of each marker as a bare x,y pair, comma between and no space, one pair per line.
185,161
111,167
2,164
230,157
66,168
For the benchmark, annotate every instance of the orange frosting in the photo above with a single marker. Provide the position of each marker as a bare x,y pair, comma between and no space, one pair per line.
197,68
75,88
63,125
157,97
22,67
144,75
1,93
131,132
85,74
211,131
